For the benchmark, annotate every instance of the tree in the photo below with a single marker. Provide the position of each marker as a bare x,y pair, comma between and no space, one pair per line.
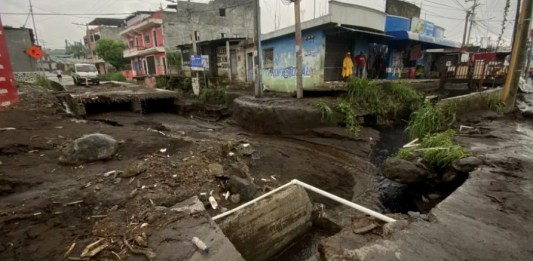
112,52
76,50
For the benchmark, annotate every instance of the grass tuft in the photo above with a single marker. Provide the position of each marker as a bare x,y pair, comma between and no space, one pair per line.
430,119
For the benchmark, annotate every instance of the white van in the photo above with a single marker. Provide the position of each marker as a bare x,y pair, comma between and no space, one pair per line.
85,73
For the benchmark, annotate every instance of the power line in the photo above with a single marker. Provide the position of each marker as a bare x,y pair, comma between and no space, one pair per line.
64,14
464,8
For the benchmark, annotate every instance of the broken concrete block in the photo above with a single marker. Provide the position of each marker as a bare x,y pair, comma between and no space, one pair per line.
260,231
89,148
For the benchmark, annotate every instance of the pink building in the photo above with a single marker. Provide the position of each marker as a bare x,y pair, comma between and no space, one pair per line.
145,44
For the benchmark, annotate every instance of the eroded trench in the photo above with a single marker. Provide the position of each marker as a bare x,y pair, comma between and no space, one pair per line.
391,197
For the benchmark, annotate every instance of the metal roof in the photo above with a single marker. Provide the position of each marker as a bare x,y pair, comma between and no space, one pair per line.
118,22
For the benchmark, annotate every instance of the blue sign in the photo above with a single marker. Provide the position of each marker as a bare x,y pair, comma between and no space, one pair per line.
200,62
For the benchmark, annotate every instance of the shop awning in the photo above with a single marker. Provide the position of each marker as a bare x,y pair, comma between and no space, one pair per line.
366,32
405,35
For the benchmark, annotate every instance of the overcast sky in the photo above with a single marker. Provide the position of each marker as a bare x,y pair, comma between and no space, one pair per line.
55,29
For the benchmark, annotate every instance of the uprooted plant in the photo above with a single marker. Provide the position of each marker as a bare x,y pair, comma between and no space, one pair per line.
430,118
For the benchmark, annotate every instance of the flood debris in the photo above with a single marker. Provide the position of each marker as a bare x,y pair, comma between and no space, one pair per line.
200,244
94,248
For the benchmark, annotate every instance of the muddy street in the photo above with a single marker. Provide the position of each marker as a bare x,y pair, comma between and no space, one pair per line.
48,206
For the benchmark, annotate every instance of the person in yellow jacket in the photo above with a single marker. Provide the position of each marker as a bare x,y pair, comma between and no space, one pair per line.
347,66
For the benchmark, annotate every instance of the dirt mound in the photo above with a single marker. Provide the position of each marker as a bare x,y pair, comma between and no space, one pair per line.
37,98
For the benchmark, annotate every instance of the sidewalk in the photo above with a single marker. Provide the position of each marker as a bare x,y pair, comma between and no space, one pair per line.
488,218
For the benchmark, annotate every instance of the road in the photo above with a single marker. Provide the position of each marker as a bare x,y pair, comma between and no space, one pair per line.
67,79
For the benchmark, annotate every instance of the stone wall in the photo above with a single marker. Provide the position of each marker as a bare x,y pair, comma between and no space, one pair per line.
402,8
26,76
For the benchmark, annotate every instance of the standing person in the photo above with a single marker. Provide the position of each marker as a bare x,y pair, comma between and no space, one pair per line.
347,66
59,75
360,61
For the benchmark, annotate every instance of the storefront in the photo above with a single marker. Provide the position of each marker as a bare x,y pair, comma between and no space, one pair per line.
411,38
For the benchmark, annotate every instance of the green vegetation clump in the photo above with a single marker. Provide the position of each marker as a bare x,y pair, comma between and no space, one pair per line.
352,124
495,103
325,110
161,82
430,118
438,150
213,95
117,76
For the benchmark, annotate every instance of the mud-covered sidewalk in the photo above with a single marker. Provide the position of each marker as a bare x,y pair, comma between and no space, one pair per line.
487,218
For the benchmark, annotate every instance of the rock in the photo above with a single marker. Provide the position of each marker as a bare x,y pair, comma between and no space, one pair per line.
245,188
89,148
363,225
242,168
467,164
235,198
245,149
390,228
215,169
134,169
450,176
405,172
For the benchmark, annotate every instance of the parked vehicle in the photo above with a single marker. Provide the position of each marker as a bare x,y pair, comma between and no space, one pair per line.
85,74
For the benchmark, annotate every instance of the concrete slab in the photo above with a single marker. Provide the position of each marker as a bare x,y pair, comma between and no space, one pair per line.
262,230
78,98
173,242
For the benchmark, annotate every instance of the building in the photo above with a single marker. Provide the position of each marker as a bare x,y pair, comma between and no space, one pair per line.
325,42
101,28
224,31
146,43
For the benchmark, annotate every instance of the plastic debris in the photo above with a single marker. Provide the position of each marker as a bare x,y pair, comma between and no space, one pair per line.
163,150
213,202
200,244
226,196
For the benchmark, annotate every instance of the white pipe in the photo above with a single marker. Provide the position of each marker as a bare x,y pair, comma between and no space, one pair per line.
251,202
345,202
316,190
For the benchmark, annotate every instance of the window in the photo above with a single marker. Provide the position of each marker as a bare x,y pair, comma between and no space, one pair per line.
197,35
223,35
222,11
146,38
237,36
131,44
96,37
268,58
136,41
154,34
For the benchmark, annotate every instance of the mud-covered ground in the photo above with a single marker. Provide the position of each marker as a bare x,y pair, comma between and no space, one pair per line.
46,207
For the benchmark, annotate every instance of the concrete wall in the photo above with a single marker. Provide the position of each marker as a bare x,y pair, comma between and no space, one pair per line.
282,75
262,230
471,102
18,41
348,14
402,8
205,19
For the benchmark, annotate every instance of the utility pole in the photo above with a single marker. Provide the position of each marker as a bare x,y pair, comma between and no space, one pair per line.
472,17
298,38
517,16
88,37
33,20
258,90
518,55
466,28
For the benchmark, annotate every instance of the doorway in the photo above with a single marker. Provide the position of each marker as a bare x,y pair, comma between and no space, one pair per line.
150,60
233,64
250,67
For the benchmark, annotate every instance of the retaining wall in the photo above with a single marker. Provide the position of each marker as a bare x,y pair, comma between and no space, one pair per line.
471,102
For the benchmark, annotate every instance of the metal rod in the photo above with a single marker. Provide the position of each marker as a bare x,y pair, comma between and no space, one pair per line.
316,190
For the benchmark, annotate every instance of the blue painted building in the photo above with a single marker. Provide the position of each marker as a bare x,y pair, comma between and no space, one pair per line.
325,42
407,57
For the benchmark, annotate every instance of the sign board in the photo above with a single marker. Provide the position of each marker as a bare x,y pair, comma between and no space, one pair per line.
8,92
200,63
35,52
422,27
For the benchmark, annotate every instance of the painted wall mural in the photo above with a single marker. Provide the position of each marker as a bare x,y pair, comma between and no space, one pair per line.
279,61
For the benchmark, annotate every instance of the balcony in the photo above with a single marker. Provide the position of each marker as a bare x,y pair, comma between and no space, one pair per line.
141,50
145,24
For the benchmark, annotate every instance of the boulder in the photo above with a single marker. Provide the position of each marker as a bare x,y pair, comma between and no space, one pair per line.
405,172
246,189
89,148
467,164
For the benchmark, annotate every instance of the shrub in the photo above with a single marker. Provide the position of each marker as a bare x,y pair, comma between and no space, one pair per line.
161,82
430,119
495,103
213,95
117,76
